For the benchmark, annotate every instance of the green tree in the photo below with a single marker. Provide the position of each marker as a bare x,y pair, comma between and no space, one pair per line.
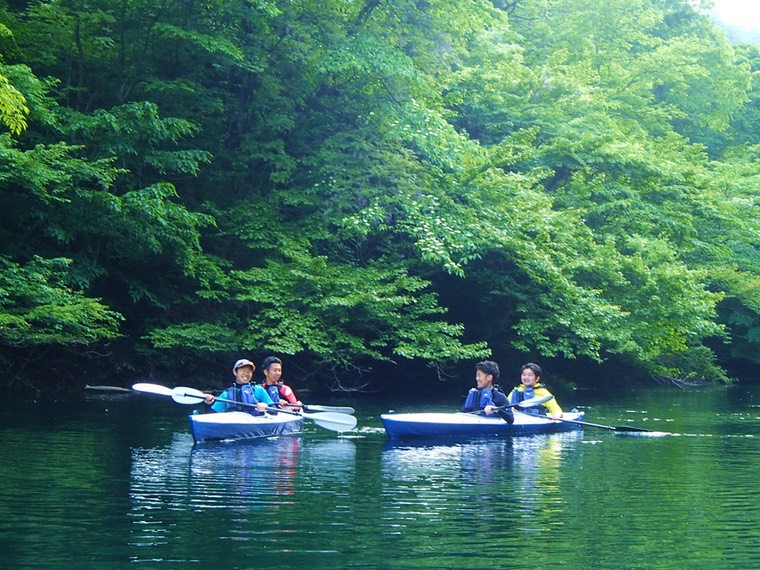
356,183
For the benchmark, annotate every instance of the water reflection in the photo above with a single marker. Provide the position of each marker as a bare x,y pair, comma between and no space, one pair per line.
237,475
246,491
475,461
228,486
497,487
120,482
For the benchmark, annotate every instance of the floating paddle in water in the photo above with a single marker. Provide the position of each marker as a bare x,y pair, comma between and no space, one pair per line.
182,395
107,388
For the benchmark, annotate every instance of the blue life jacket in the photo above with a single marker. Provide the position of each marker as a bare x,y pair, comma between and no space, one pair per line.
477,399
243,394
520,395
273,391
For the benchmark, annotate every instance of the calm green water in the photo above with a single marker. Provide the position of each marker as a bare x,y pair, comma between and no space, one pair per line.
107,482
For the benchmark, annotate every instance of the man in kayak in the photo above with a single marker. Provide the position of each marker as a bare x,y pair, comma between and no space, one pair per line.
242,391
531,387
281,394
487,396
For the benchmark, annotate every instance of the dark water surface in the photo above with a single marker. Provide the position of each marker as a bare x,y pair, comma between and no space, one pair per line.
108,481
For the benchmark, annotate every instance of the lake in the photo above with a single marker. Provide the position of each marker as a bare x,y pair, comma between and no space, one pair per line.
109,481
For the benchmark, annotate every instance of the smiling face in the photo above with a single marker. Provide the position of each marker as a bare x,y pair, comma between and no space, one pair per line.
482,379
529,378
273,373
244,374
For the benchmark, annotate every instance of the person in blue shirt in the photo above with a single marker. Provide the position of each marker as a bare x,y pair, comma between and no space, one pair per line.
242,391
487,396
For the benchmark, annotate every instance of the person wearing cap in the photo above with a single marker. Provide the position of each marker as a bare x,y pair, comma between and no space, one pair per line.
242,391
281,394
488,396
531,387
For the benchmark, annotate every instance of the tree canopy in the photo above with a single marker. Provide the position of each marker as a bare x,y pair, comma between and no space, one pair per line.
349,184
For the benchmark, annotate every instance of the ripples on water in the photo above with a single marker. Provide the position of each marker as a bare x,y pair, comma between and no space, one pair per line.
107,487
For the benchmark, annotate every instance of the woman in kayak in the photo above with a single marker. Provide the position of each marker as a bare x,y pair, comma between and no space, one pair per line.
487,396
242,391
281,394
531,387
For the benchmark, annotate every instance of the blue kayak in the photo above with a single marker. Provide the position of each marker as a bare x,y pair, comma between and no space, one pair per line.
242,425
460,424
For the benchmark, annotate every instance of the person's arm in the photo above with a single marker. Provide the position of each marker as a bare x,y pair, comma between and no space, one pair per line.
287,393
501,399
496,399
262,396
218,406
552,407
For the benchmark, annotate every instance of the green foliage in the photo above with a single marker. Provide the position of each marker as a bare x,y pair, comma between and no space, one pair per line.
38,307
336,313
13,109
350,183
83,240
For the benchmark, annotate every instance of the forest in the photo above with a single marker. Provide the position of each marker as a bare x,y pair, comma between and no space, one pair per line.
365,187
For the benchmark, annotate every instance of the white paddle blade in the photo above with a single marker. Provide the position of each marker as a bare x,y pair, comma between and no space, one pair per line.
152,389
537,401
338,409
333,421
183,395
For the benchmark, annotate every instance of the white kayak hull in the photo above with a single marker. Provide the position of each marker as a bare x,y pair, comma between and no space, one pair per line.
471,425
242,425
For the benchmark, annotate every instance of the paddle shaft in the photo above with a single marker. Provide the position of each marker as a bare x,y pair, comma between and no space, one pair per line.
164,391
529,403
610,428
226,401
318,408
328,420
183,395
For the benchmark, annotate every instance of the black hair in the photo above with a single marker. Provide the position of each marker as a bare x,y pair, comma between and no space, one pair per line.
489,367
268,361
534,367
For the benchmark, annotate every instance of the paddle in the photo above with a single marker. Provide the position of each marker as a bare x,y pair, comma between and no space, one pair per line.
611,428
529,403
107,388
580,423
333,421
152,389
164,391
318,408
328,420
